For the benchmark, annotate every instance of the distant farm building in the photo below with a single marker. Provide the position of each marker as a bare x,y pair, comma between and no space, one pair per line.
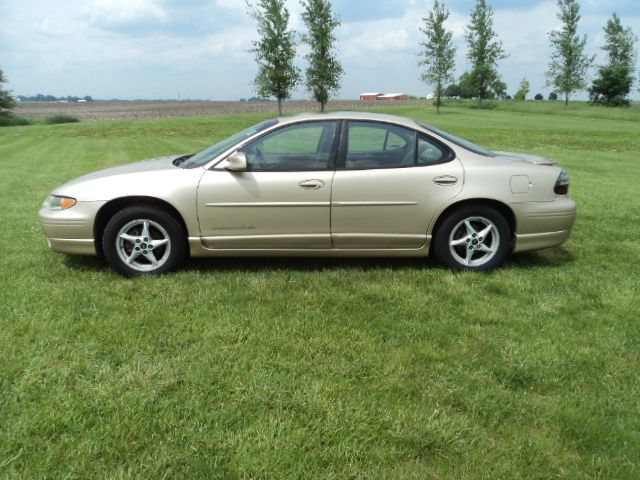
384,96
394,96
370,96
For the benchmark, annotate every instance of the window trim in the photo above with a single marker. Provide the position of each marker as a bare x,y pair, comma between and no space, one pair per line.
331,163
447,136
344,146
214,163
448,156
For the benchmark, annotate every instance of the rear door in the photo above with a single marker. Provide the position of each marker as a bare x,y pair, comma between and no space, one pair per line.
389,184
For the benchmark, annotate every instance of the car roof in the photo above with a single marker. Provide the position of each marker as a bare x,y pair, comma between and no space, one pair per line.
363,116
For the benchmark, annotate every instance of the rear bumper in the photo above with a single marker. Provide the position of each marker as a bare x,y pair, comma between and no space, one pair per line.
543,224
537,241
70,231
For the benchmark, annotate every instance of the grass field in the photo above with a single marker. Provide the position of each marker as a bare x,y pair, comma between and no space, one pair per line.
278,368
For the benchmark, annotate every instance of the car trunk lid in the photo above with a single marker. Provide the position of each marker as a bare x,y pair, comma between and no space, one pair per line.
523,157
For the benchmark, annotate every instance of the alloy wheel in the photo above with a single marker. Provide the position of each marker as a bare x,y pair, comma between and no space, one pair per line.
474,241
143,245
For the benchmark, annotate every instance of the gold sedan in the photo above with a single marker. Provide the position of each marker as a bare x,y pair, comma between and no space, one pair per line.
338,184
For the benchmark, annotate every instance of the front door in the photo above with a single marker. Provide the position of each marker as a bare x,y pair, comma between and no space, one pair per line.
282,201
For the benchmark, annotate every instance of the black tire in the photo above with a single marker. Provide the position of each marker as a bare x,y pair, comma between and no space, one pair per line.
485,253
166,241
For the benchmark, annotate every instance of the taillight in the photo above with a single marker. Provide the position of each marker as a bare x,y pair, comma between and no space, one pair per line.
562,184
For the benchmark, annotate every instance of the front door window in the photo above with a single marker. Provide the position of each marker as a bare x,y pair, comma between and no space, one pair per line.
307,146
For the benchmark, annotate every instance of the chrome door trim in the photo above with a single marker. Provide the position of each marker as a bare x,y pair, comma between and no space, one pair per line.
373,204
268,204
312,242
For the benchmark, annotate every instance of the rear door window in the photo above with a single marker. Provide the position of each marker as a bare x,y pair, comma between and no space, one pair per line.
431,152
378,145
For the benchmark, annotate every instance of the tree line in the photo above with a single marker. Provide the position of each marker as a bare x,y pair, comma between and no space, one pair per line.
52,98
568,64
566,73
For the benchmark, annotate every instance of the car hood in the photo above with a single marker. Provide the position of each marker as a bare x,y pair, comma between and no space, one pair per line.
157,178
153,164
524,157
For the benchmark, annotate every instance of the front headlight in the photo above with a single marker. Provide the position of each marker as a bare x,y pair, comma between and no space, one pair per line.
60,203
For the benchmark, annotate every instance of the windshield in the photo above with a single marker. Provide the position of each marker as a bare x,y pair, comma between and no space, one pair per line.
461,142
205,156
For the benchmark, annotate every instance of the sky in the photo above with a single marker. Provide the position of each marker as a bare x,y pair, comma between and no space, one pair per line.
198,49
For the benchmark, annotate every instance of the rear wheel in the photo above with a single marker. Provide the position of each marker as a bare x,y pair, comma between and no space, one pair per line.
144,240
473,238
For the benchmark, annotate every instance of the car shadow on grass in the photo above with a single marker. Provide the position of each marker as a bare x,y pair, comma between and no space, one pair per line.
84,263
550,257
307,264
554,257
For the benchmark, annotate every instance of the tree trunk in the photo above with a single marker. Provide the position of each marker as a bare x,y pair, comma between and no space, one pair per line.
566,101
438,98
279,107
322,107
480,98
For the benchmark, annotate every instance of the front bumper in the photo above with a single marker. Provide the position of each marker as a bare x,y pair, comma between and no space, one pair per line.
70,231
543,224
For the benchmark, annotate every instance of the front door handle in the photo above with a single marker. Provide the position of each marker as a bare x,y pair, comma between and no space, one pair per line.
311,184
446,180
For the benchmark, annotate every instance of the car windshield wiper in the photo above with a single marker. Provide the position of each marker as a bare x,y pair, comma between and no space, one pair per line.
180,160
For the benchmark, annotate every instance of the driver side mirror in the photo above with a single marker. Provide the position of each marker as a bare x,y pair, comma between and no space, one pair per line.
237,162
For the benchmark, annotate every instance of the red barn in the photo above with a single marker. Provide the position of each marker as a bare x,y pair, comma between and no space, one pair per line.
394,96
370,96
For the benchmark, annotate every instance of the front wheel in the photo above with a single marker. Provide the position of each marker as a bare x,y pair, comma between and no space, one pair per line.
473,238
144,240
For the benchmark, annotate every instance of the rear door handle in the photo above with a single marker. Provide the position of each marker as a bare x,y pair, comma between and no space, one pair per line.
311,184
446,180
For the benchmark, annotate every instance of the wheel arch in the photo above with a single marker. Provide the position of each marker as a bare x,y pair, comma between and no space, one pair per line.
501,207
112,207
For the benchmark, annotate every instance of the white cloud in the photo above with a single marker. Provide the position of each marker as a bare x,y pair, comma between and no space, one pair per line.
69,48
124,11
231,4
370,41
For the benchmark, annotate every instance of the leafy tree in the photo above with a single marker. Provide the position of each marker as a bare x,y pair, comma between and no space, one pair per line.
569,64
553,96
452,90
439,53
523,90
466,86
484,50
499,88
539,97
615,79
7,102
611,87
277,75
620,44
324,71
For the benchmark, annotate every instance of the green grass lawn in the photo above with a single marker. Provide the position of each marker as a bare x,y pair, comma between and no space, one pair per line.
279,368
